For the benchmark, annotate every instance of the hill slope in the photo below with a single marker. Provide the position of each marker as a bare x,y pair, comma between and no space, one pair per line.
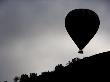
87,69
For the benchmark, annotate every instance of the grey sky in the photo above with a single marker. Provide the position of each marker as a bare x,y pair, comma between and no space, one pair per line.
33,36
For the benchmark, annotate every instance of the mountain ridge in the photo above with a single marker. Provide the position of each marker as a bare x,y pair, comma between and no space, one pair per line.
93,67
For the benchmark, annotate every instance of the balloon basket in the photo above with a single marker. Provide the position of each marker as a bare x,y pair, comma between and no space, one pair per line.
80,51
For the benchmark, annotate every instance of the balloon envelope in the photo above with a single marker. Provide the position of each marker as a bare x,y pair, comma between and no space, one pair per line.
82,25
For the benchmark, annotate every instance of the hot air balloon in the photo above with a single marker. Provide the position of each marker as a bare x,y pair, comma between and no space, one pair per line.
82,25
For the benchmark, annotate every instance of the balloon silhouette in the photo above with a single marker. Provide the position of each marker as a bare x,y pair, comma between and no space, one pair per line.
82,25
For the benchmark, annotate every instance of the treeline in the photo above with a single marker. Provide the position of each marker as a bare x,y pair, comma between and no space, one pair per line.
57,74
87,69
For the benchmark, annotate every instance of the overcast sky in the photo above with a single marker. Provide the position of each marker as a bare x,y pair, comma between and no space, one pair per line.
33,37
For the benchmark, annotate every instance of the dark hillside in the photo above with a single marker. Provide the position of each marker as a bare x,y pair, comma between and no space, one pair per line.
87,69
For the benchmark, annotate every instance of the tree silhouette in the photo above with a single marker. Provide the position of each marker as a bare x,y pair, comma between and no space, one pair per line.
97,65
16,79
24,78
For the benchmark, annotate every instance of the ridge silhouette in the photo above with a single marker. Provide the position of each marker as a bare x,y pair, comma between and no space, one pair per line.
94,67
